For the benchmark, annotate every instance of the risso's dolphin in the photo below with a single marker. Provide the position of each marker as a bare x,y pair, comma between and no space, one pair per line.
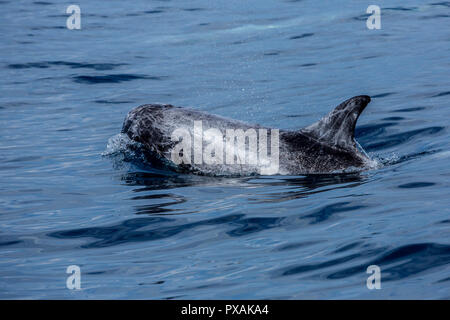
187,140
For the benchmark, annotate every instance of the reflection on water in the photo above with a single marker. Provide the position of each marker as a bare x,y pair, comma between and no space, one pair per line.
129,230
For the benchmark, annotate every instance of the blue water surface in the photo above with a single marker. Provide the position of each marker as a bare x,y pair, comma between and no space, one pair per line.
146,234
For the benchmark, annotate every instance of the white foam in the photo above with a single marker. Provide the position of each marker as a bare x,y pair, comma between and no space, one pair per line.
117,144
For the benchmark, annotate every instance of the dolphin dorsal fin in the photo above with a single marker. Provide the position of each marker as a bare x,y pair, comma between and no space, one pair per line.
338,127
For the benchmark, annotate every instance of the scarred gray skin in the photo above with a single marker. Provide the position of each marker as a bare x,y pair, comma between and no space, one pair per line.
323,147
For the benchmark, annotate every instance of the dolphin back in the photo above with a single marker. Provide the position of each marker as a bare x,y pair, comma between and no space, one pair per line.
325,146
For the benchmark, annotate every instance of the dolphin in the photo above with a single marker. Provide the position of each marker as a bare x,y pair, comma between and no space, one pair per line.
327,146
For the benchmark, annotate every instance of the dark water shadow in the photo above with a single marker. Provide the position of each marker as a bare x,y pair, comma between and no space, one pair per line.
400,138
157,228
403,261
113,78
154,228
164,220
396,263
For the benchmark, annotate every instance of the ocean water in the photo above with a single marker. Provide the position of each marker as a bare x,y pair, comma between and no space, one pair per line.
139,233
